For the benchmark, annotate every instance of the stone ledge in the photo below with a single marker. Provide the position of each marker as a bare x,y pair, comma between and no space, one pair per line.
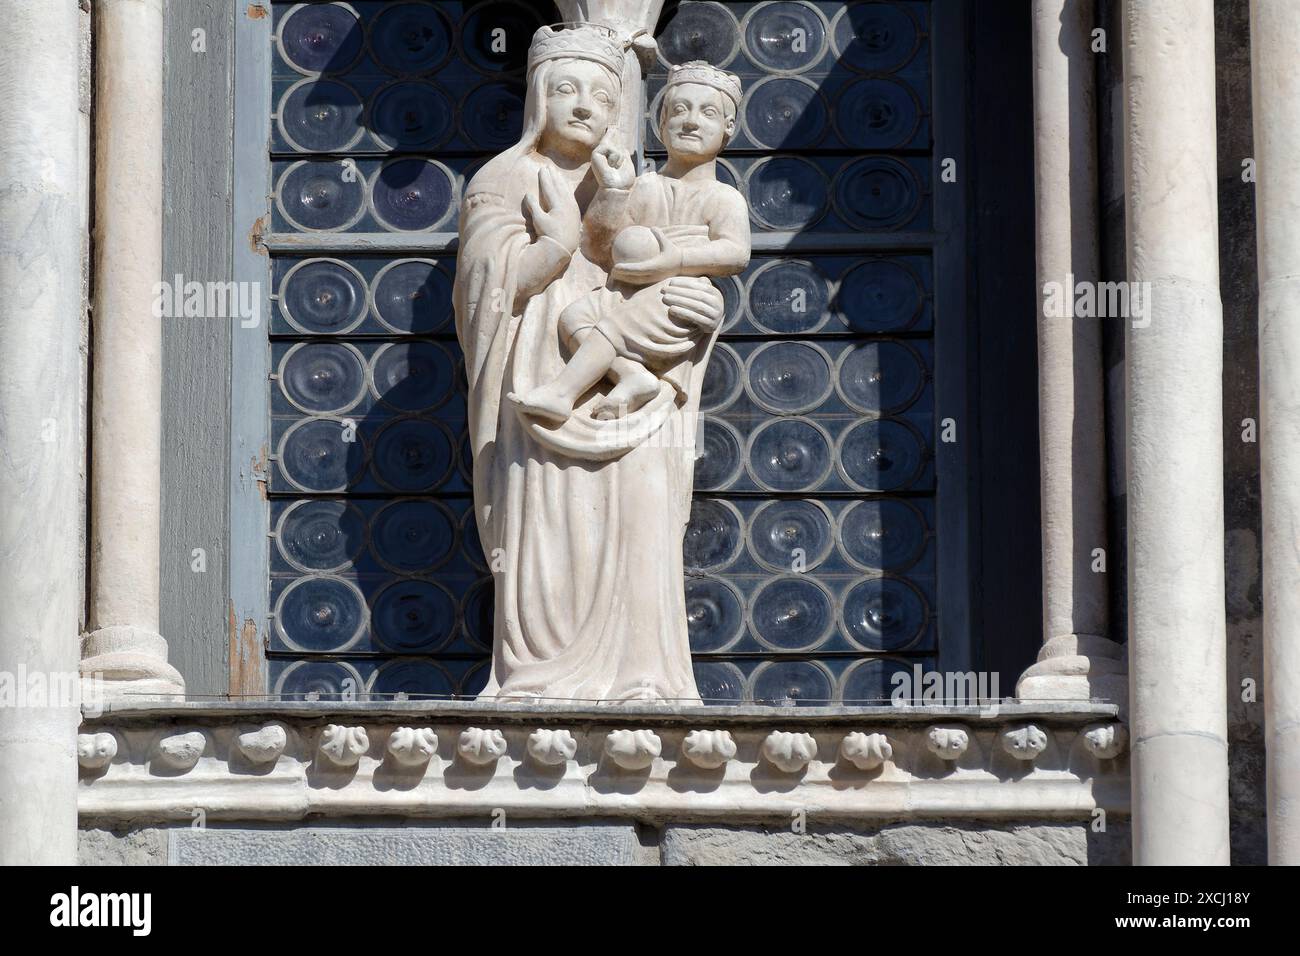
287,761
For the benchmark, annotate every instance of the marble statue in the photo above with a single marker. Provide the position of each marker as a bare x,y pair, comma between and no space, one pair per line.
586,315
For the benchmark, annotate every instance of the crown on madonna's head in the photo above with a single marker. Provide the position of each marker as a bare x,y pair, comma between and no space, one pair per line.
585,41
701,71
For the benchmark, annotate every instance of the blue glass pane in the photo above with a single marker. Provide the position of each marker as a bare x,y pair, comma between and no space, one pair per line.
785,36
413,194
413,536
323,377
785,113
321,614
321,535
321,38
321,116
792,684
323,296
411,114
413,296
410,38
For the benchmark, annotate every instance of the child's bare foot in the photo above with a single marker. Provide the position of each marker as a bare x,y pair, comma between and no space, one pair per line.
543,403
636,387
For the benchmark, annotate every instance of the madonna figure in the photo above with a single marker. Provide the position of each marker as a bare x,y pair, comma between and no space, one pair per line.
581,519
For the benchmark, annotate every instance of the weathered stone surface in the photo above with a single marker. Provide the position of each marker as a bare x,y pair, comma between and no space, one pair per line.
136,847
585,845
1070,844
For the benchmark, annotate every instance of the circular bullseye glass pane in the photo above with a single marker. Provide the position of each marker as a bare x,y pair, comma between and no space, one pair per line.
494,37
785,113
700,31
321,196
413,616
723,379
320,116
321,535
871,681
413,296
321,614
713,535
882,534
877,114
326,679
409,115
477,611
321,38
792,613
410,38
415,678
413,454
719,682
788,296
877,193
880,296
721,456
323,377
789,377
874,37
413,536
786,192
715,616
413,194
324,297
789,454
791,535
792,684
881,455
786,36
316,455
884,614
493,115
880,377
412,376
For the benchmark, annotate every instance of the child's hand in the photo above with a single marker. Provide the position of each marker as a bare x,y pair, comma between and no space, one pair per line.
663,265
611,163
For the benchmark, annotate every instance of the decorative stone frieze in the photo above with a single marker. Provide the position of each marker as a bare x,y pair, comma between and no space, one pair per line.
1024,743
709,749
181,751
96,751
264,745
1105,741
788,751
481,747
344,745
551,747
866,751
412,746
947,743
637,762
633,749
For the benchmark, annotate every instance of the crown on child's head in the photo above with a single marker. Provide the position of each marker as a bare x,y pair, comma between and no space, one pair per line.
584,41
701,71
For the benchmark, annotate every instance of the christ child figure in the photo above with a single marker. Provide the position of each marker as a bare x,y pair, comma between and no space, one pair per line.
679,221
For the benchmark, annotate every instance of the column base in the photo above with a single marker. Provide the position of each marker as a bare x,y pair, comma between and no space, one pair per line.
121,661
1077,667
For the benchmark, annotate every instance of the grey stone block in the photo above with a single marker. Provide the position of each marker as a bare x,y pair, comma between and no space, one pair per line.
146,846
902,845
586,845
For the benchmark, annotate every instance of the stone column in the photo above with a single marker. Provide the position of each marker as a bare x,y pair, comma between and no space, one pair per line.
1174,359
126,424
1077,661
1275,64
41,246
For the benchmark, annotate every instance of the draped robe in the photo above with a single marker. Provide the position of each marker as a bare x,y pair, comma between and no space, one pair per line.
586,546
